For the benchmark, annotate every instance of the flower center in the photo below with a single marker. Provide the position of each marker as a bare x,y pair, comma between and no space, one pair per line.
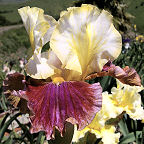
57,80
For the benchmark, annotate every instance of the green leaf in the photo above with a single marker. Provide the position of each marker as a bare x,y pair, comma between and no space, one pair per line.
3,102
142,140
3,121
129,138
6,125
104,81
123,127
41,138
8,141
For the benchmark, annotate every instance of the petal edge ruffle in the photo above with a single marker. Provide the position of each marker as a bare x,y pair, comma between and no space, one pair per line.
126,75
53,104
85,39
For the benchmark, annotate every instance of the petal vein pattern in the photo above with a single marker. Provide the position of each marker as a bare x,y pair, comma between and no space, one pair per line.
53,104
85,39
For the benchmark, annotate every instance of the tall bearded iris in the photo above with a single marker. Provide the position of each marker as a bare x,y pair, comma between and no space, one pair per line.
82,41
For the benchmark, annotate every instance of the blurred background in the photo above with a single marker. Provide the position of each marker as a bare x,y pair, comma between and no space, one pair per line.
14,44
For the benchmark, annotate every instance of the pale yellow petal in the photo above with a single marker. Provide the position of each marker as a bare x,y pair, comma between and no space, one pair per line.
62,13
137,113
68,9
109,108
107,133
29,17
26,13
128,98
109,136
98,125
43,30
38,26
85,37
69,40
79,134
39,68
52,59
108,47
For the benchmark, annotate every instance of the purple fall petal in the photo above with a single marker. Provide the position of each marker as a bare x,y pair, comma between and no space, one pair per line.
53,105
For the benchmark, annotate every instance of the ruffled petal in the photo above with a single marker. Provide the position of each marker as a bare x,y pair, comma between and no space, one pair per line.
106,132
126,75
79,134
42,66
128,98
98,126
13,85
108,111
38,26
109,136
85,37
52,105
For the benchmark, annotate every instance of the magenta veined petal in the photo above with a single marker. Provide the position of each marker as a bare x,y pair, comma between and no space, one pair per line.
53,104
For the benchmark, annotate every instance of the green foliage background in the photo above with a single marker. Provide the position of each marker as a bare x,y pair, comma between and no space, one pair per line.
8,9
51,7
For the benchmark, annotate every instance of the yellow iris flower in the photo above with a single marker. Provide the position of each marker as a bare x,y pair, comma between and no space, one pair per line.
123,98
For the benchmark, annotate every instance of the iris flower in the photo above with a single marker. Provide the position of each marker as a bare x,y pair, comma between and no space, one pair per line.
124,99
81,42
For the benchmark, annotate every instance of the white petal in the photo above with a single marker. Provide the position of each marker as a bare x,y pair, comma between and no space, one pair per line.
39,28
43,30
85,37
38,25
39,68
108,48
52,59
109,136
